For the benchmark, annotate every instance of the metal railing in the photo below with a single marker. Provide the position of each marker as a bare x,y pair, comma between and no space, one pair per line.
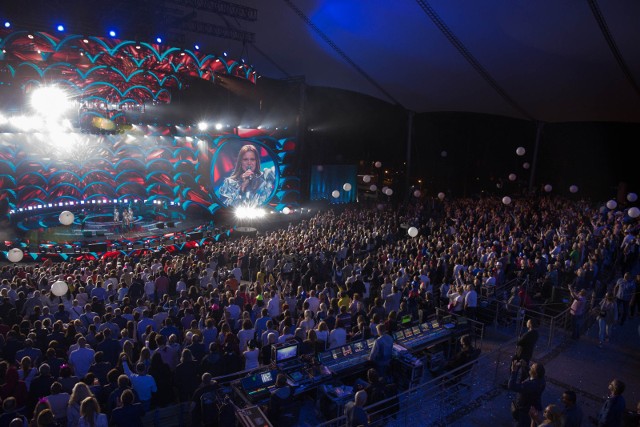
439,401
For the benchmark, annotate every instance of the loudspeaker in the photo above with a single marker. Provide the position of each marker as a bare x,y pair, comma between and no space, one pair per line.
97,247
86,233
171,224
160,225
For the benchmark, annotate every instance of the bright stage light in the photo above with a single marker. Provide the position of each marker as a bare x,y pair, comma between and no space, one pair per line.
218,126
249,213
159,40
60,27
50,101
204,126
196,47
112,33
7,24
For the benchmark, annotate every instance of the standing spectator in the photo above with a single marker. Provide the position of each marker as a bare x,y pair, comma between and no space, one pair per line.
571,414
607,314
144,385
14,387
186,376
526,345
80,392
90,415
381,351
162,377
612,411
624,291
58,401
529,392
129,414
354,411
577,310
81,358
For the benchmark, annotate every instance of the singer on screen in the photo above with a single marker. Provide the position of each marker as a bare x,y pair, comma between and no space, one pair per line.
248,185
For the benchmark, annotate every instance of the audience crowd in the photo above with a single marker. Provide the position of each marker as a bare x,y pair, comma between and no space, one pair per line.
133,334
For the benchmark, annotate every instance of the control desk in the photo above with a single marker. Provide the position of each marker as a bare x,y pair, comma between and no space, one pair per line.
420,336
347,357
259,386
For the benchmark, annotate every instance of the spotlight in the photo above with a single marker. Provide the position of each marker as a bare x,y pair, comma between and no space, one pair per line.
218,126
225,53
204,126
159,40
60,27
7,24
50,101
196,47
112,33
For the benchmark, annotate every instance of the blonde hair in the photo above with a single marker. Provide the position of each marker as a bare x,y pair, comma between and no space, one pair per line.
89,409
79,393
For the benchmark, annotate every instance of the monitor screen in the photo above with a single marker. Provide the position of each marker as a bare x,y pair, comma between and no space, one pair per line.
358,346
416,330
286,353
346,350
370,342
408,333
337,353
435,324
398,335
406,319
266,377
425,326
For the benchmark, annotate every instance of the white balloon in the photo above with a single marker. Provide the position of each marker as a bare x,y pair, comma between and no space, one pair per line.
526,165
286,210
634,212
520,151
373,187
59,288
335,194
66,218
15,255
548,188
612,204
366,178
412,231
346,186
573,188
384,189
378,164
389,192
506,200
632,197
441,196
443,153
417,193
512,177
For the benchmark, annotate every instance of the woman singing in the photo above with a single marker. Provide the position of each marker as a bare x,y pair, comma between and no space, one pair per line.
249,185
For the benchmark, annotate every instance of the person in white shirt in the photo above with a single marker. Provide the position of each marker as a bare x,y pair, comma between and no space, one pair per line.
251,356
273,306
314,302
338,336
471,302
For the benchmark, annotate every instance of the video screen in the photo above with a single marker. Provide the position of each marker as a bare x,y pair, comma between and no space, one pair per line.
435,324
358,346
416,330
398,335
266,377
245,174
370,342
337,353
286,353
408,333
346,351
425,326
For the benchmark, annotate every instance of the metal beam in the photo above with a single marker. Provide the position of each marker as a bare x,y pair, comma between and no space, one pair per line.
220,7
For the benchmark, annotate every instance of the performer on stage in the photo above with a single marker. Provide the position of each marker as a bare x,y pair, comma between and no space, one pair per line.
248,185
116,215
